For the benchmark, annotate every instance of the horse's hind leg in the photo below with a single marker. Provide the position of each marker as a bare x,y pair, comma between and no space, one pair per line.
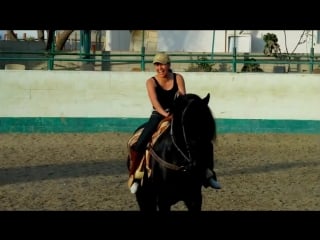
194,204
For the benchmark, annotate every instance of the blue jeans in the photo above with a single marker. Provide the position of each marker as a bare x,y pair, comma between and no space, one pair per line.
149,128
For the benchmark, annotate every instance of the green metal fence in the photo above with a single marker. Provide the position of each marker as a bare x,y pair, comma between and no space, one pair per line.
232,62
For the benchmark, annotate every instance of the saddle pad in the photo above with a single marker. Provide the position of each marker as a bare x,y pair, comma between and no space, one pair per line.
163,125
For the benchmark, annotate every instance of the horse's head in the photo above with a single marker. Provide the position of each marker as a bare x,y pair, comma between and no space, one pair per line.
193,127
193,114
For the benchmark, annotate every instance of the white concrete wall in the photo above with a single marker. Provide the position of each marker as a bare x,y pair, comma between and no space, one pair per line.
123,94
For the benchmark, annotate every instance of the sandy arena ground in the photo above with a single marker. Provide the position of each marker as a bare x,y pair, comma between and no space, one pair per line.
88,172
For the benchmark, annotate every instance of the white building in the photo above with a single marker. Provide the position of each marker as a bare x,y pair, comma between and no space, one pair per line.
246,41
222,41
216,41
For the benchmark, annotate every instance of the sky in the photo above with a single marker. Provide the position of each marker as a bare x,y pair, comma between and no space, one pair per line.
30,33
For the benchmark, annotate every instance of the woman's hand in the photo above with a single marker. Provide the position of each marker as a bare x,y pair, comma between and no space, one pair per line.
167,112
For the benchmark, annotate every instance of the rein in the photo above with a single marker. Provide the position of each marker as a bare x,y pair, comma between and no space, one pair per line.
184,136
164,163
170,165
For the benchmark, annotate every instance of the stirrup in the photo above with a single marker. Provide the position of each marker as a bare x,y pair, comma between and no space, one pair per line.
214,184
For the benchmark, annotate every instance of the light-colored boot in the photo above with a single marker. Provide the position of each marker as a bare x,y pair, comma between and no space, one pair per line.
212,179
134,187
214,184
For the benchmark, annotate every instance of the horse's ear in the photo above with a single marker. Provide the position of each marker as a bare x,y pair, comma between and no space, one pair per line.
206,98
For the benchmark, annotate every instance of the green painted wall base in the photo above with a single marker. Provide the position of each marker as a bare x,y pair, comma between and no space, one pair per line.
95,125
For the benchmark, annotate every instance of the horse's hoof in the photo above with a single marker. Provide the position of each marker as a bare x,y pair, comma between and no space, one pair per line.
214,184
134,187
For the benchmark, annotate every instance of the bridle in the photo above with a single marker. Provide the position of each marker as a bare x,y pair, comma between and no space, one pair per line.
187,155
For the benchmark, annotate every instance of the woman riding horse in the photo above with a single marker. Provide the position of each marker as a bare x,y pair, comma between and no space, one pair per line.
162,90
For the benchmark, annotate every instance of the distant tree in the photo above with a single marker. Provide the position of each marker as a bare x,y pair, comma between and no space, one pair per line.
253,66
201,66
271,45
63,37
11,35
60,42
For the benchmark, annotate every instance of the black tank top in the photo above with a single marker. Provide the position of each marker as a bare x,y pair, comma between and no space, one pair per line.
166,97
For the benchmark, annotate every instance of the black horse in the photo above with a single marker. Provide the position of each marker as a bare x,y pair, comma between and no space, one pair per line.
179,157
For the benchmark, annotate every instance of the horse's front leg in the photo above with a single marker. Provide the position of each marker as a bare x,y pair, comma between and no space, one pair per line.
164,208
194,202
193,206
